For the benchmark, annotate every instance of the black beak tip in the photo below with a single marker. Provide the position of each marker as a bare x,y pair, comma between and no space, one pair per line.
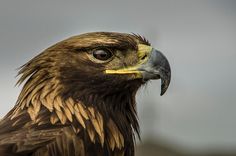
165,82
163,89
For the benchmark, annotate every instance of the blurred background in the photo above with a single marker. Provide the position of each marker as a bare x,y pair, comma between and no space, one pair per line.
197,115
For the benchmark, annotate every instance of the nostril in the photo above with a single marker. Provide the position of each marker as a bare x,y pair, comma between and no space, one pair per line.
143,57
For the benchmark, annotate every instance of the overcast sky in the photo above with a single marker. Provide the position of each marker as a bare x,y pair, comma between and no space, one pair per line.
198,38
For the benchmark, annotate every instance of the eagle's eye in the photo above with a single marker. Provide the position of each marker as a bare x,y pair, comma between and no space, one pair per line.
102,54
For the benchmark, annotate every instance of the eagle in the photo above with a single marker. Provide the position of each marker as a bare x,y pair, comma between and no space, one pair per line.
78,97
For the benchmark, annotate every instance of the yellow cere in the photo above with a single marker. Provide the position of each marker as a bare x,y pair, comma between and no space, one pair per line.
142,51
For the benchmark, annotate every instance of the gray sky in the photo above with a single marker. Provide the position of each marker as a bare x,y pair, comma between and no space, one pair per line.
198,38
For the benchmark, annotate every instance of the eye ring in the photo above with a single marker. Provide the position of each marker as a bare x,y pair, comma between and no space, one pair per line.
102,55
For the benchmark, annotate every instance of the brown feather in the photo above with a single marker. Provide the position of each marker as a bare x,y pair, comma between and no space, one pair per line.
82,110
54,118
33,114
91,132
61,116
68,113
115,133
69,107
79,118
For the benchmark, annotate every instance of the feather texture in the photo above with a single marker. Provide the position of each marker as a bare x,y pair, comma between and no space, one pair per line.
69,107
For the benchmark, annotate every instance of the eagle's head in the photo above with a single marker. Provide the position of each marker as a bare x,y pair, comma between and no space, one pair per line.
98,72
100,63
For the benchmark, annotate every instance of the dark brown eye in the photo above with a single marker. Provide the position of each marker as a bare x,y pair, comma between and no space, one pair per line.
102,55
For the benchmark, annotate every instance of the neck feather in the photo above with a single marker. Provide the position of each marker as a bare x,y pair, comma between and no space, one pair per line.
110,119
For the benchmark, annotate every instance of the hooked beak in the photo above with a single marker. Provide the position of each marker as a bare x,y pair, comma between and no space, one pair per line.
154,66
157,66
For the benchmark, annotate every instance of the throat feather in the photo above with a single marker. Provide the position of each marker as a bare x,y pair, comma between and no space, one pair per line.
109,120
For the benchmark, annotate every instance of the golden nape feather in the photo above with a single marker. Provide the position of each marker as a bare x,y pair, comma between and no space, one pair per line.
78,97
